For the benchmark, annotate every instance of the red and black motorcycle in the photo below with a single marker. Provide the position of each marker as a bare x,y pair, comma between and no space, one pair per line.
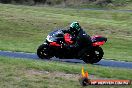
88,49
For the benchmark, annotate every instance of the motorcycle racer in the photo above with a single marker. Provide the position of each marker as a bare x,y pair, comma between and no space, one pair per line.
72,43
79,37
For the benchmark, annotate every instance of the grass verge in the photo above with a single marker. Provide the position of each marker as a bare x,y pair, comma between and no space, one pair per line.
22,73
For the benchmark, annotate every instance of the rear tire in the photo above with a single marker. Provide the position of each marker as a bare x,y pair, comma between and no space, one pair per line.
98,54
92,55
43,51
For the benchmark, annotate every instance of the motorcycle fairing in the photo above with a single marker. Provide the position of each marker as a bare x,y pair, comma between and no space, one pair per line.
98,40
54,44
67,38
55,36
98,43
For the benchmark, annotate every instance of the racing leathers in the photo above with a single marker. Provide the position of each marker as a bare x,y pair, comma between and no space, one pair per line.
78,39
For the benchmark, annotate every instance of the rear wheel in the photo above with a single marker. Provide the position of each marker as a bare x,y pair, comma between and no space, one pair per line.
92,55
43,51
98,54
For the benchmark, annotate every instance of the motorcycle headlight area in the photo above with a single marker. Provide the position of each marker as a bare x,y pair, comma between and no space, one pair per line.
49,38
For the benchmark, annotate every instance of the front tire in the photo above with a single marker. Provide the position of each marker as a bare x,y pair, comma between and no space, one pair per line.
43,51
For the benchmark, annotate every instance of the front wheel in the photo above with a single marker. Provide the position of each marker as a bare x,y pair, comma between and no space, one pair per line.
43,51
93,56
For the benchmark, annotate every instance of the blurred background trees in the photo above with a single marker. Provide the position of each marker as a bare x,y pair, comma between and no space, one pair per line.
54,2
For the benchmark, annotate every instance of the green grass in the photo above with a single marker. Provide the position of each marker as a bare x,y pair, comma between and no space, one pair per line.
22,73
24,28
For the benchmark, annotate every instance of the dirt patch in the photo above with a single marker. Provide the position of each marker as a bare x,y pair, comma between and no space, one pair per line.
58,75
53,74
36,72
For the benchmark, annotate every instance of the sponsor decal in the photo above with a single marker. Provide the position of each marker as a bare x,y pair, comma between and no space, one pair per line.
85,81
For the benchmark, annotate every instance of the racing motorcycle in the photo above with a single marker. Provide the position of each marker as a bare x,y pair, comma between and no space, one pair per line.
88,51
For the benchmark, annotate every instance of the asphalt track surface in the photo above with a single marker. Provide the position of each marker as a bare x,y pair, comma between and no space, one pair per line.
108,63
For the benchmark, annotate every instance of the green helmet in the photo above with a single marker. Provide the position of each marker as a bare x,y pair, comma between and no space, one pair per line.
75,26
